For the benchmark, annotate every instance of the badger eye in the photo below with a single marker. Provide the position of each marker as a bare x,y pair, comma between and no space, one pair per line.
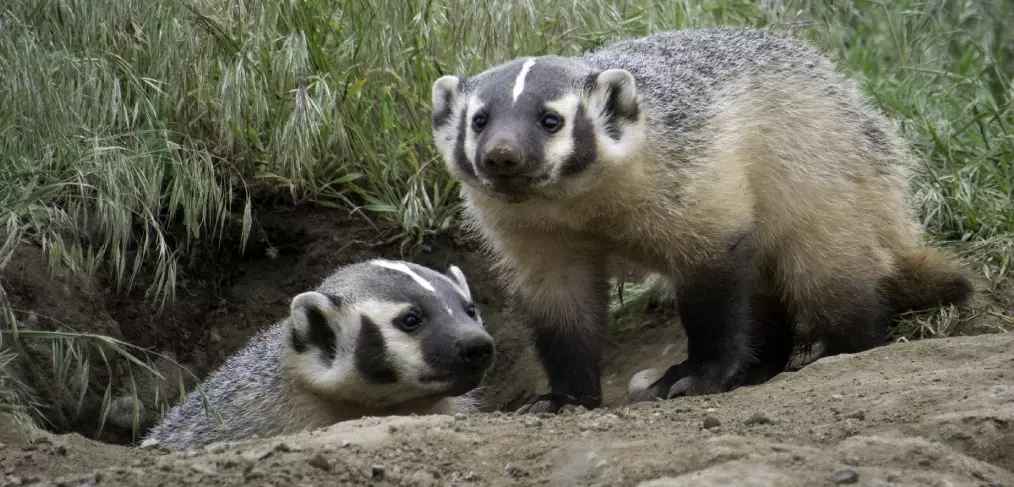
409,322
470,311
551,122
479,122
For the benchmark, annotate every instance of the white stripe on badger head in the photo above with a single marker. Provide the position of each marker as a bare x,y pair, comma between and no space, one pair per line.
405,269
458,282
519,83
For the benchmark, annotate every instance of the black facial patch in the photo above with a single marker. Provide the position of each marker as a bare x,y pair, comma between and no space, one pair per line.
460,159
585,146
371,354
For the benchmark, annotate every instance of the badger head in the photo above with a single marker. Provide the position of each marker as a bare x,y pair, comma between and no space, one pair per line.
381,332
547,127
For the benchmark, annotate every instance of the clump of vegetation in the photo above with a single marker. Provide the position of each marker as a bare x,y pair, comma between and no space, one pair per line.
133,132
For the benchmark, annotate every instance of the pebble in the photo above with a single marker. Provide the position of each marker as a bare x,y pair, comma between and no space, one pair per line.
512,470
203,469
711,422
847,476
837,397
759,417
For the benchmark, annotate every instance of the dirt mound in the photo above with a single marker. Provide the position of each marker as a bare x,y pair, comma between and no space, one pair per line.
931,412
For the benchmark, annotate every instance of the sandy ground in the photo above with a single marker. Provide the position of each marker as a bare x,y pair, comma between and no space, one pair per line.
933,412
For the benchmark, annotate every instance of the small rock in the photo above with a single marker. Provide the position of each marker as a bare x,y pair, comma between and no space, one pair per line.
471,476
459,417
318,461
860,415
759,417
837,397
847,476
711,422
512,470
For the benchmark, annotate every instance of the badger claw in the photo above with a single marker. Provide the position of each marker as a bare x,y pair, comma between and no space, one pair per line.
552,403
679,380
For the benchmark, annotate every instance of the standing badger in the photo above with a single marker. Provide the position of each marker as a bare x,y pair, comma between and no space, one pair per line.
735,163
375,338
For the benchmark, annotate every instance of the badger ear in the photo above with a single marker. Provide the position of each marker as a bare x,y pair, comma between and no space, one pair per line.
459,277
312,318
613,93
444,94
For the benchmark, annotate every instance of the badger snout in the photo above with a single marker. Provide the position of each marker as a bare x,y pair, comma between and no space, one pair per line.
502,158
475,351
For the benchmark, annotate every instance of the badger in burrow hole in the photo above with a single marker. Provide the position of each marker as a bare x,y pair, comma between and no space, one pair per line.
375,338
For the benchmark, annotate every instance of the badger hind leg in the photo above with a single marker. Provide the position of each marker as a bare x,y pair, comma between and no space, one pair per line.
835,293
714,303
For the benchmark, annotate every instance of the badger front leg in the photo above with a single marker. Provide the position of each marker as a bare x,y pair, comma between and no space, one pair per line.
714,301
562,298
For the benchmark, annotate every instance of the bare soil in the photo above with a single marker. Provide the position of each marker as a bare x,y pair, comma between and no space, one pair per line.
928,412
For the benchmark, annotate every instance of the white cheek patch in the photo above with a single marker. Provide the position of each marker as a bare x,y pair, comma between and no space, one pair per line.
562,144
519,83
474,106
406,270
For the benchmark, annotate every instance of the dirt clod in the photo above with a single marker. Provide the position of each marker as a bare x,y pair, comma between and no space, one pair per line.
319,461
759,417
858,415
711,421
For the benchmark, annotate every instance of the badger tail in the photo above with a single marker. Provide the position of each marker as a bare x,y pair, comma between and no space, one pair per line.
926,279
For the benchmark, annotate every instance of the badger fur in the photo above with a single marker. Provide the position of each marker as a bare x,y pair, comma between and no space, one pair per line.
738,164
375,338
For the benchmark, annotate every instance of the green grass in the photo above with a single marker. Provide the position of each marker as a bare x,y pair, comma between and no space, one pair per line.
132,131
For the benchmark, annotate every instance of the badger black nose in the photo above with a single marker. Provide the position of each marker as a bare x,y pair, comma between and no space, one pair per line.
475,350
502,159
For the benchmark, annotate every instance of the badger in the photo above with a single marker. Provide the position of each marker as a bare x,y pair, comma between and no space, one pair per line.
737,164
375,338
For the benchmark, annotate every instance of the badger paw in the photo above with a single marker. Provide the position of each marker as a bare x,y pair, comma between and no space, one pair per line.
679,380
552,403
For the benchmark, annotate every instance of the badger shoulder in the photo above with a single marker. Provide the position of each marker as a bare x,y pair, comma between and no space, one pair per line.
374,339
